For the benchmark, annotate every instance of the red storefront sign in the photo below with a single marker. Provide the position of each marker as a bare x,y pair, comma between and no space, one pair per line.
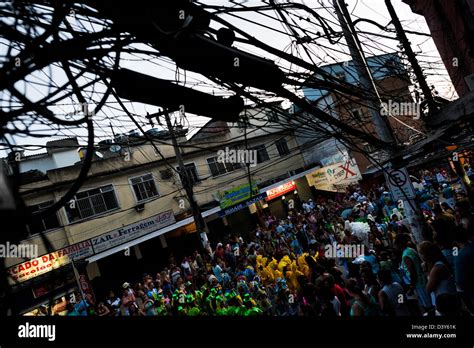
46,263
280,190
86,287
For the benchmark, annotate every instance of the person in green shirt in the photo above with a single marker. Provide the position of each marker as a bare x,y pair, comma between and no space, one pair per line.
250,307
192,308
182,311
160,307
412,272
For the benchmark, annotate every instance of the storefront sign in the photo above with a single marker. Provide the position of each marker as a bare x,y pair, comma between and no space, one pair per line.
343,173
336,177
43,264
242,205
280,190
319,180
86,287
236,195
124,234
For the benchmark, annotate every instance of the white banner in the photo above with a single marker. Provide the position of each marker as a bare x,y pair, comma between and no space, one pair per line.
124,234
319,180
336,177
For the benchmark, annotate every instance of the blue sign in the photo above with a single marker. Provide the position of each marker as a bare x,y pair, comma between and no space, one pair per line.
236,195
242,205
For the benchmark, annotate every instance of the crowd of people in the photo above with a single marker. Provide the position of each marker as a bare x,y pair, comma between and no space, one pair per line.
283,268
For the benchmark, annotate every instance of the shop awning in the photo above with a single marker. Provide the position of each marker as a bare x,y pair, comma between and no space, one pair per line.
184,222
151,235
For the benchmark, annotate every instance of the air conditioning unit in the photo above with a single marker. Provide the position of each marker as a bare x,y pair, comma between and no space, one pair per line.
140,207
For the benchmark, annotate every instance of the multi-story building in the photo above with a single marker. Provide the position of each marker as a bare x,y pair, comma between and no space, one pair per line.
392,81
451,25
59,153
132,213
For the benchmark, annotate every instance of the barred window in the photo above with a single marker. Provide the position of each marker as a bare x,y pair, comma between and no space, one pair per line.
144,187
92,202
262,154
41,224
282,147
191,172
220,168
357,114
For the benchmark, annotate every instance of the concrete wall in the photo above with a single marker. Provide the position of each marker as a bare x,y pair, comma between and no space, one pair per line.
65,158
389,84
48,162
42,164
449,34
117,171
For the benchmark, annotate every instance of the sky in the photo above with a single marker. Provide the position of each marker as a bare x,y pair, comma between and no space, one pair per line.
274,34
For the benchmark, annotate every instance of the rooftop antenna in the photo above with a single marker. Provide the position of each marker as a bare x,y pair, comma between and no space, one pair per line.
150,119
158,118
112,128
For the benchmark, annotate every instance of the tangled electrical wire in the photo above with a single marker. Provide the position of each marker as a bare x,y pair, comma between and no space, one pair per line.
59,64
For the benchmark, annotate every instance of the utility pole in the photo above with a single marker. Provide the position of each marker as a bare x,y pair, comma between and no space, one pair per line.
184,176
411,57
249,175
365,77
382,125
260,220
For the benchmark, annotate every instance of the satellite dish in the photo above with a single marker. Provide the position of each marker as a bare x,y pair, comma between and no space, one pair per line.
115,148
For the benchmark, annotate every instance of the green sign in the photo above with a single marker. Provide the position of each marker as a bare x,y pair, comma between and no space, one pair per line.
236,195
